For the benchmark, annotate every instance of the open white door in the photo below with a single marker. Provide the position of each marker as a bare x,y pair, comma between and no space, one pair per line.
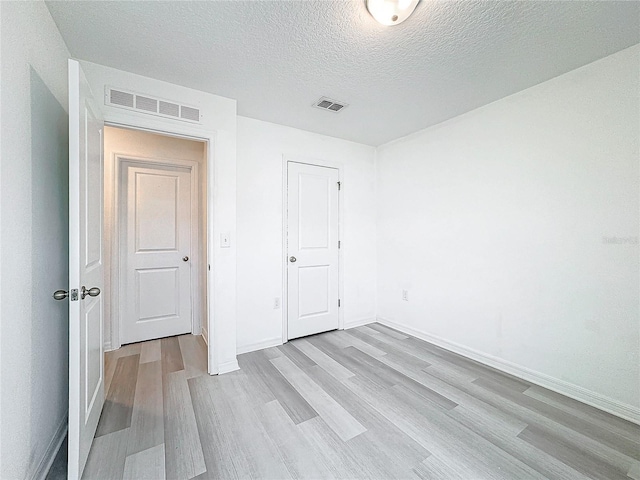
86,379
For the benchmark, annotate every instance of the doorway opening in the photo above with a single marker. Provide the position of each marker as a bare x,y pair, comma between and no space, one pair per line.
155,228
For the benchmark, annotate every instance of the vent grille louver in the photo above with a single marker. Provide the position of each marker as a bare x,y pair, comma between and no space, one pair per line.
332,105
189,113
168,108
148,104
121,98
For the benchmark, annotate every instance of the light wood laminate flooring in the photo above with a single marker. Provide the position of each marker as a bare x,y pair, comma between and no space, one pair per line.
369,402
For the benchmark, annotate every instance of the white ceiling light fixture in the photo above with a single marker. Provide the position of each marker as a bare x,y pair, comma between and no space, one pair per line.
391,12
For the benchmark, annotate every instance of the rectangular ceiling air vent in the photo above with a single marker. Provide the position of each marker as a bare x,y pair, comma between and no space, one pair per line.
148,104
332,105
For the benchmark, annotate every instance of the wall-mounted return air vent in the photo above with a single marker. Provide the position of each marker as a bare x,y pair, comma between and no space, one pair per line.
147,104
332,105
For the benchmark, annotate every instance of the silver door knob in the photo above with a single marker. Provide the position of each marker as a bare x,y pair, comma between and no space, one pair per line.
92,292
60,294
185,259
293,259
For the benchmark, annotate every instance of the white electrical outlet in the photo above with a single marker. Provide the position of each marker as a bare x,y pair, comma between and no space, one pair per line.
276,303
405,295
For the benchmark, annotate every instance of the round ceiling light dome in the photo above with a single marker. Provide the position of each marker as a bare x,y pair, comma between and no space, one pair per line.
391,12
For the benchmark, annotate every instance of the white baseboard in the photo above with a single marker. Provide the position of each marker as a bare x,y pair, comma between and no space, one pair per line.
597,400
107,346
252,347
43,467
227,367
358,323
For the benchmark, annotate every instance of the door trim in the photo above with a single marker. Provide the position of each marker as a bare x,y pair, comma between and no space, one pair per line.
121,161
132,121
286,159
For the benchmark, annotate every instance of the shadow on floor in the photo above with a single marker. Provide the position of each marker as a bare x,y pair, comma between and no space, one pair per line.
58,470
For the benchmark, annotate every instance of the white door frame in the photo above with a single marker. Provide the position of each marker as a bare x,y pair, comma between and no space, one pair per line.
189,132
285,224
121,161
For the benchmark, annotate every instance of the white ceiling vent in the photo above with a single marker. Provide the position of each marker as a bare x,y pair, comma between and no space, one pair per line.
147,104
332,105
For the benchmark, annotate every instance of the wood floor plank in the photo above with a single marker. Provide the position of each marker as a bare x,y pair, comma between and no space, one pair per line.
251,452
335,454
353,364
394,445
370,403
145,465
573,457
150,351
107,456
363,346
345,426
147,418
367,329
588,413
212,411
171,355
388,331
296,355
442,436
560,432
503,435
183,450
604,436
296,452
111,359
323,360
437,468
194,355
118,405
634,471
291,399
397,378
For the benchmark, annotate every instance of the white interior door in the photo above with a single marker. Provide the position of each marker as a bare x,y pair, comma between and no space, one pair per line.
312,244
86,382
155,273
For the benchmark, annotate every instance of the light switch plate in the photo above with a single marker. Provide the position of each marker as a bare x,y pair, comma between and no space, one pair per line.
225,241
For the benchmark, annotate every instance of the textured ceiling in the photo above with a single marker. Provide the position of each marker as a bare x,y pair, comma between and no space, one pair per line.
277,57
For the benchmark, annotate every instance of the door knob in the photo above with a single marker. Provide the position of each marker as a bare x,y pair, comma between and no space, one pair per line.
60,294
92,292
292,259
185,259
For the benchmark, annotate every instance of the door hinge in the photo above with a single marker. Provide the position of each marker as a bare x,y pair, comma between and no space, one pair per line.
338,243
338,302
339,185
73,295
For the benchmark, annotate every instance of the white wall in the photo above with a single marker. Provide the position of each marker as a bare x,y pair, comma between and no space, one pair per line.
146,145
34,238
496,222
261,147
218,119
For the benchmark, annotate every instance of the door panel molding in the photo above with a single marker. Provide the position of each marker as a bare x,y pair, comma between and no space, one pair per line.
286,159
121,162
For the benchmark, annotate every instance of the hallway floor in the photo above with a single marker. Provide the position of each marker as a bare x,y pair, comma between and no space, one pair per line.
369,402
